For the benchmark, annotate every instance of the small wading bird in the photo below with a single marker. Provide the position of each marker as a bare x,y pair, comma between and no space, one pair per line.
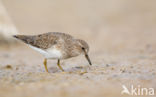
56,45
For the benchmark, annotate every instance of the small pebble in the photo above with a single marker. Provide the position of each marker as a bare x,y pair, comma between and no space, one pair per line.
8,67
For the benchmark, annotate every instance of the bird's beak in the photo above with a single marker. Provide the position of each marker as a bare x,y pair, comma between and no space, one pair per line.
87,57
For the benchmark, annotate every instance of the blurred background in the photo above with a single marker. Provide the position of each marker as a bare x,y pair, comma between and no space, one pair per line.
105,24
121,35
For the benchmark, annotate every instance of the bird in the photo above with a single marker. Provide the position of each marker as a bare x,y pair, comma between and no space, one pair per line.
56,45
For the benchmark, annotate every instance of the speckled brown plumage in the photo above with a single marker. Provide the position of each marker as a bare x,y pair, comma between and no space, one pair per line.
56,45
45,40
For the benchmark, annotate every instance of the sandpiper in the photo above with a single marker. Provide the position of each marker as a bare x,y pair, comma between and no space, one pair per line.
56,45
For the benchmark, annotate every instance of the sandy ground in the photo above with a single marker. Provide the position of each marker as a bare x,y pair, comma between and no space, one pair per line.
121,35
22,73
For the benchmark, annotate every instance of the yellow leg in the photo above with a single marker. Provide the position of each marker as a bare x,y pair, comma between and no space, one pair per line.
45,64
58,64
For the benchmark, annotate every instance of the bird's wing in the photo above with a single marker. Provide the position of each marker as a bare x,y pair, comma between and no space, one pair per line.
42,41
45,40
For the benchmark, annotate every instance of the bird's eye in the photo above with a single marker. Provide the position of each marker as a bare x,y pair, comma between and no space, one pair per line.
83,48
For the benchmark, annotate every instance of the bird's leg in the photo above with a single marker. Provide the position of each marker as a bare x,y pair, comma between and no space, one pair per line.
58,64
45,65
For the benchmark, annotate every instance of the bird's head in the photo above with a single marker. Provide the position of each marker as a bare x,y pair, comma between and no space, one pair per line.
84,49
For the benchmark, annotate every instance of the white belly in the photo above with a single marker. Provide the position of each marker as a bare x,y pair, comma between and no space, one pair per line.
51,53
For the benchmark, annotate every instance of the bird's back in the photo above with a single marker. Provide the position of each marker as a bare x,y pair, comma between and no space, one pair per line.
44,41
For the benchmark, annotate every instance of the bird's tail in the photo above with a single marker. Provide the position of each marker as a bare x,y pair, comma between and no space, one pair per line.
16,36
20,37
24,38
